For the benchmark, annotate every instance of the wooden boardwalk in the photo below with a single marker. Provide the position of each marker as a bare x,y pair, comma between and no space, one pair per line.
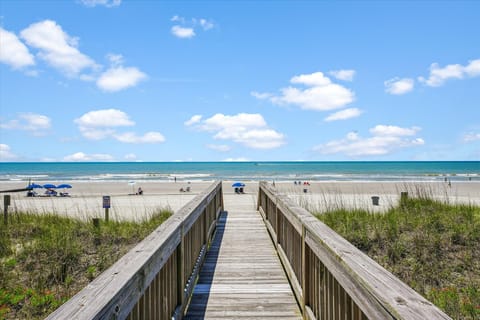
242,277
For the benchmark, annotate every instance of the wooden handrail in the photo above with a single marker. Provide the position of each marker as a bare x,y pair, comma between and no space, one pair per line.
155,279
330,277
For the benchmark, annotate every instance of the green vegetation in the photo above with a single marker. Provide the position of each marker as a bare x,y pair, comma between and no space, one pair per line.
46,259
434,247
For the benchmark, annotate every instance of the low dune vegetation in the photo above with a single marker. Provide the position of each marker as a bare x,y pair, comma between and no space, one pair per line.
432,246
45,258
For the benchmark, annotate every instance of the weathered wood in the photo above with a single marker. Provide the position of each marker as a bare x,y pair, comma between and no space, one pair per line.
242,276
115,293
353,286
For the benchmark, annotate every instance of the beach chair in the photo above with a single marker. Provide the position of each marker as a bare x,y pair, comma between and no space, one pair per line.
187,189
240,190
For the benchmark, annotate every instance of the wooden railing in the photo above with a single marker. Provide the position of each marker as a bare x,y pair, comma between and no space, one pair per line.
330,277
155,279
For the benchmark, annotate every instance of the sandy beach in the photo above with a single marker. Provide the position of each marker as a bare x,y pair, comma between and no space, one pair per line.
85,200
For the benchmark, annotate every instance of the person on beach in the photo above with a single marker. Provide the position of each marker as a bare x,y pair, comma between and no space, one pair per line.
140,191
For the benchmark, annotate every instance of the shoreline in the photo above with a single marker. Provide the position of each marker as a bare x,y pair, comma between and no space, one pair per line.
85,200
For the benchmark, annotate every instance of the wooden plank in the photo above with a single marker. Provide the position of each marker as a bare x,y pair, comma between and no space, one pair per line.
242,276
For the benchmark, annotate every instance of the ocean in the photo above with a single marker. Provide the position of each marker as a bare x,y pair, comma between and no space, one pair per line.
242,171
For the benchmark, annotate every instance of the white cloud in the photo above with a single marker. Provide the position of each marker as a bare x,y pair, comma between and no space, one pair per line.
438,75
105,118
56,47
471,136
13,52
385,139
98,124
249,130
219,147
185,28
115,59
80,156
181,32
344,114
149,137
394,131
205,24
5,153
261,96
119,78
193,120
399,86
240,159
35,123
321,94
106,3
345,75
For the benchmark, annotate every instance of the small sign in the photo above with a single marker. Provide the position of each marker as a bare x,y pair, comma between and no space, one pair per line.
106,202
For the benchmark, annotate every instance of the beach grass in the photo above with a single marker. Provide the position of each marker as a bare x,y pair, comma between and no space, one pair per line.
46,258
431,245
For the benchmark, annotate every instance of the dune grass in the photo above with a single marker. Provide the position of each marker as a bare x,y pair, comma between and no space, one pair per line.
45,258
432,246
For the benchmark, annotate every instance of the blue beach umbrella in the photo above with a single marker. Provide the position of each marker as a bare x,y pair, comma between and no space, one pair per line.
49,186
34,186
64,186
238,184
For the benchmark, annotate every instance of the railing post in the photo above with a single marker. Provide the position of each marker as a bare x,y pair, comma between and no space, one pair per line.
181,271
304,273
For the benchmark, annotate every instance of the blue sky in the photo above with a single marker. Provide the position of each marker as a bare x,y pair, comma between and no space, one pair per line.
112,80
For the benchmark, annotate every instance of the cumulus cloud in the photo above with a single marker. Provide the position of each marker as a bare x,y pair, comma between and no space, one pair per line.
99,124
80,157
105,3
149,137
250,130
13,52
182,32
399,86
385,139
105,118
345,75
57,48
119,78
344,114
439,75
194,119
6,154
471,136
102,124
185,28
219,147
320,95
37,124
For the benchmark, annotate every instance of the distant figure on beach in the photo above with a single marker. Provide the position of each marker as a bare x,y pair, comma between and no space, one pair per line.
449,183
175,179
139,191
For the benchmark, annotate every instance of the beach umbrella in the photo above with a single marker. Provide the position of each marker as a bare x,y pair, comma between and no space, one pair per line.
238,184
64,186
34,186
49,186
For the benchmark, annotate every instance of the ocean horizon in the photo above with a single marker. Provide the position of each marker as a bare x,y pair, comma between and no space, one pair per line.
244,171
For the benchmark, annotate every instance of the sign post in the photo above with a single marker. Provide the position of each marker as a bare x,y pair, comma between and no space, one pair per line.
106,206
6,203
